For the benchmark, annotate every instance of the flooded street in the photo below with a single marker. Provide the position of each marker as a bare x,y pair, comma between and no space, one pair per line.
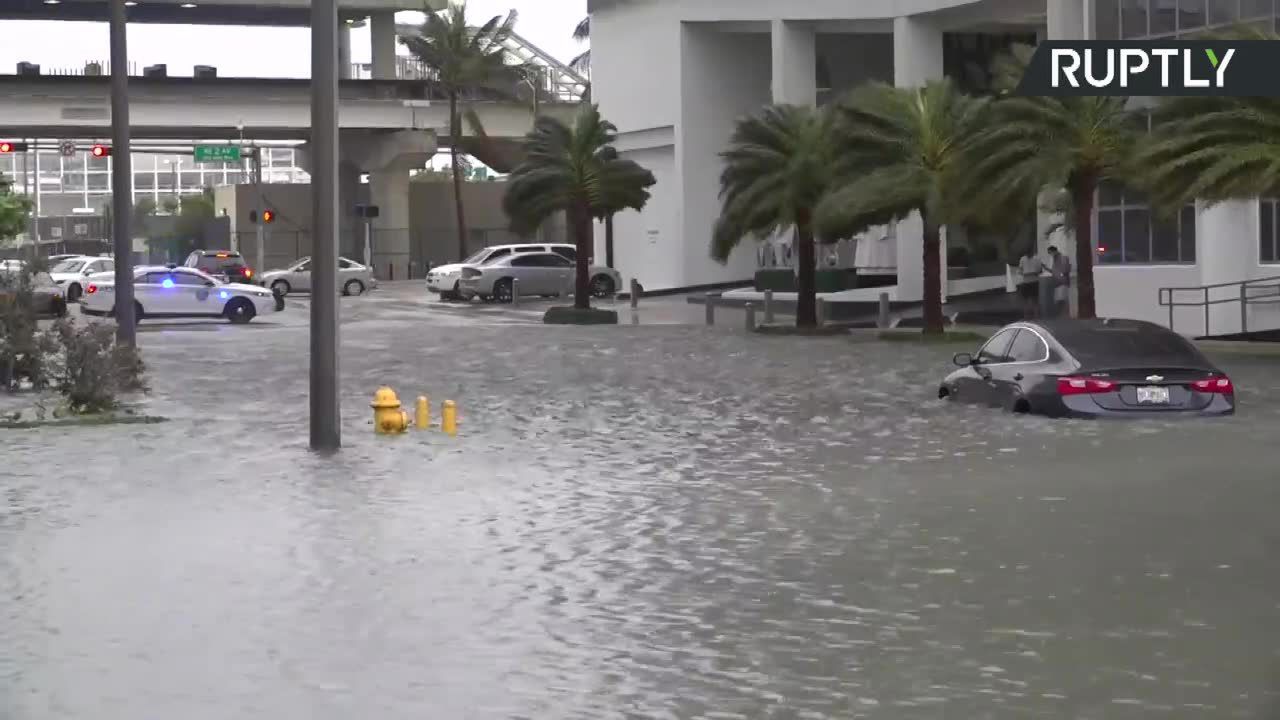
653,521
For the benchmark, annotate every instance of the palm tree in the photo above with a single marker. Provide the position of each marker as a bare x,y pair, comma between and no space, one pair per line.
582,33
1036,144
464,59
901,151
576,170
777,170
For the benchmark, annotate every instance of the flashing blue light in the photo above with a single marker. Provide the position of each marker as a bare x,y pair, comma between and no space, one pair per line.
223,294
167,283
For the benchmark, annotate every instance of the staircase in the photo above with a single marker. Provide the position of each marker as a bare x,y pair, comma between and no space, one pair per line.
1241,310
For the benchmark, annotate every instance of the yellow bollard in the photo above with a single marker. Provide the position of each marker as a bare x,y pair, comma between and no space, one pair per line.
423,415
388,416
449,421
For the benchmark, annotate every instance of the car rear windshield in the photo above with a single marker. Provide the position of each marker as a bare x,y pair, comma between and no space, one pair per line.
1121,347
215,262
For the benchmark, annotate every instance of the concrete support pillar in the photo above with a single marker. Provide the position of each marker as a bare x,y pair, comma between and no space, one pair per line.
917,59
1065,19
344,52
389,190
382,45
795,63
1227,251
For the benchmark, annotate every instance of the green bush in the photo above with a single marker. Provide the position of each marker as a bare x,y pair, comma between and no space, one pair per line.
22,349
91,371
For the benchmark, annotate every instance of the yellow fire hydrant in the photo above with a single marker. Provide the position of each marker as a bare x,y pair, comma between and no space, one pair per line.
388,416
449,418
422,414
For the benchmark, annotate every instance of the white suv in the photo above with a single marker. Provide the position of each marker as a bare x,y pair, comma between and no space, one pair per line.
444,279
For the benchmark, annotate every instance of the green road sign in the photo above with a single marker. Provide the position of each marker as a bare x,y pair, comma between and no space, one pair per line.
215,153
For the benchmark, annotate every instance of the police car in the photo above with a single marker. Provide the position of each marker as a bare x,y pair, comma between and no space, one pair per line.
179,292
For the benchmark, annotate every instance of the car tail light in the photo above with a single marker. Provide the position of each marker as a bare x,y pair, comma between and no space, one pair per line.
1084,386
1221,385
248,273
91,290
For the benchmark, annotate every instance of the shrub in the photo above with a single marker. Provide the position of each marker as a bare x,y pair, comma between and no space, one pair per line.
91,371
22,351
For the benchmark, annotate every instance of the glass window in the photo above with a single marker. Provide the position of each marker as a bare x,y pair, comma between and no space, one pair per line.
344,264
189,279
995,349
1165,245
1110,236
1107,23
530,248
1164,16
1027,347
554,260
502,252
524,261
99,181
566,251
1133,18
73,181
1267,230
1250,9
1191,14
1136,235
67,266
1223,11
1187,234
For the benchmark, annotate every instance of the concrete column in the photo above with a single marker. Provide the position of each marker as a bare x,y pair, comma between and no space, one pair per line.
1065,19
389,190
795,63
917,59
344,52
382,45
1227,251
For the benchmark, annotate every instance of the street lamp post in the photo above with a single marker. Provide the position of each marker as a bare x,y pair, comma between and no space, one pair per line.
121,180
325,410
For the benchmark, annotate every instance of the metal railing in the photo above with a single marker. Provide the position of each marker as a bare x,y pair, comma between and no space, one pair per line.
1258,291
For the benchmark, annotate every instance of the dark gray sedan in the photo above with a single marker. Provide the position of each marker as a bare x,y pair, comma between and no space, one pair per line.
1090,368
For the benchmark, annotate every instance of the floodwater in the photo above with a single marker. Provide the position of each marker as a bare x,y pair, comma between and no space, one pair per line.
634,522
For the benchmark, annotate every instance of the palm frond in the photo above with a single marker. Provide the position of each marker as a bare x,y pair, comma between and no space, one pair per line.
582,30
581,63
463,57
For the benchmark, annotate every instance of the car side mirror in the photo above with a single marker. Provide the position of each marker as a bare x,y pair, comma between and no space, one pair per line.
964,359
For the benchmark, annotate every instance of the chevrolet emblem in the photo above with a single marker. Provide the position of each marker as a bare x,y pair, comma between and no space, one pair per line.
1154,378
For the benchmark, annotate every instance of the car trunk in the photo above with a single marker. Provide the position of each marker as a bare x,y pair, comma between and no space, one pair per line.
1152,387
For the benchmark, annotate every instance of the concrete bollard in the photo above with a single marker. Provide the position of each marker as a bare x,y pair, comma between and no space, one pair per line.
515,291
711,299
751,317
882,320
449,418
768,307
821,312
422,416
635,294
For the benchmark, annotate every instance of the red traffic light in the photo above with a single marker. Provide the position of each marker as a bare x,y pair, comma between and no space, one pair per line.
12,147
101,151
268,215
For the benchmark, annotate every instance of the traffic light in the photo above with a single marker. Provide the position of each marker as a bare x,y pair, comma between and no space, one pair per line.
12,147
268,216
101,151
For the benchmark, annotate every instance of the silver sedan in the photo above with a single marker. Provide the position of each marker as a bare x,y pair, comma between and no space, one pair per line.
353,278
543,273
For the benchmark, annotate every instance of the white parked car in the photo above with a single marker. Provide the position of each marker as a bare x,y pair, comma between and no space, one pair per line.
534,274
72,273
444,280
353,278
174,292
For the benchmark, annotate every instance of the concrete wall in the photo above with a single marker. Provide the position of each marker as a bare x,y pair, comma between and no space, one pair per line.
433,220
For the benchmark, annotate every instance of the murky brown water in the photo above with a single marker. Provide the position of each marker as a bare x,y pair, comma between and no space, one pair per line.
654,522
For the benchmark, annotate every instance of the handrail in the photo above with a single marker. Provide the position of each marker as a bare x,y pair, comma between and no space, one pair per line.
1271,284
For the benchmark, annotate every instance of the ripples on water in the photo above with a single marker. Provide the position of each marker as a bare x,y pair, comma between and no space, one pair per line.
634,522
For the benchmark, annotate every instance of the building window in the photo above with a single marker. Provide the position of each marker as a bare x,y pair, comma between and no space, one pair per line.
1222,12
1133,18
1256,9
1107,21
1129,233
1268,213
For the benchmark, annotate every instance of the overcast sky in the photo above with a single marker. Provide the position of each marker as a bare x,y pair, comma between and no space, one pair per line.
255,52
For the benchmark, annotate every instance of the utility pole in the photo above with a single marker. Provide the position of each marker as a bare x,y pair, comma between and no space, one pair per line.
262,225
121,180
326,422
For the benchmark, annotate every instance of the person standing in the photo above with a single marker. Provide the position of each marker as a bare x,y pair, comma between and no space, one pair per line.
1060,268
1029,269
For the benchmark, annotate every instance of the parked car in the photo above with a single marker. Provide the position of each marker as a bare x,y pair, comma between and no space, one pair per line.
182,292
353,278
226,265
72,273
47,298
445,279
1090,368
544,273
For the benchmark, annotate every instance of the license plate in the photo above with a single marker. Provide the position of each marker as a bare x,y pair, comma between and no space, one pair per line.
1153,396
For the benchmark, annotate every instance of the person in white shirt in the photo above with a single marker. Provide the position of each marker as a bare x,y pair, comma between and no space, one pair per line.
1060,267
1029,269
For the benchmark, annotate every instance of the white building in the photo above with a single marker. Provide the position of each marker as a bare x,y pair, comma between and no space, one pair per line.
673,75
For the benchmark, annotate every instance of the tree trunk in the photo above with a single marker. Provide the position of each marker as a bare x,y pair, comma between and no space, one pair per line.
933,322
1082,191
608,240
806,276
455,137
580,216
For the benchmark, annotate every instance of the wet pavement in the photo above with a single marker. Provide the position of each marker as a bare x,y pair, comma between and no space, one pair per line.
652,521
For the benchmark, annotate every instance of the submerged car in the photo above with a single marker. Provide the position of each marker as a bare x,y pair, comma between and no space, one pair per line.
532,273
47,299
353,278
446,280
72,273
1090,368
179,292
